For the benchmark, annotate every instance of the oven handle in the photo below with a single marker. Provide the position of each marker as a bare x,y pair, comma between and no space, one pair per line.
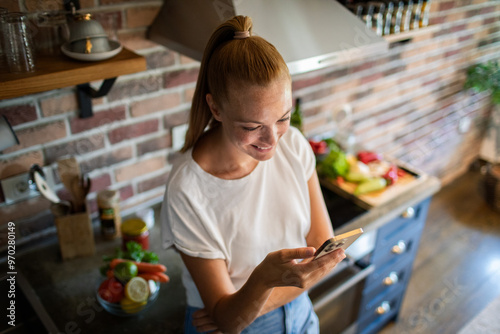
358,277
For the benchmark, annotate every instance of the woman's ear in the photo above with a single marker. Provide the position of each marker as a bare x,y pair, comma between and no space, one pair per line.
213,107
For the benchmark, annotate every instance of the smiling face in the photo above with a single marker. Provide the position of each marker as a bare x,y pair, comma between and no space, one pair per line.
254,118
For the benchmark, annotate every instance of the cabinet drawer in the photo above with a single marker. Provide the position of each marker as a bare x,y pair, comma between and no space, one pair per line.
401,245
376,314
387,279
410,217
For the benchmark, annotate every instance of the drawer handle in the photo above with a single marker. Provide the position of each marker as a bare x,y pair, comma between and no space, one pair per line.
391,279
408,213
399,248
384,308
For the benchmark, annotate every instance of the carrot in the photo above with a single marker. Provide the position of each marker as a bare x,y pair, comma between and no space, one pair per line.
148,276
163,278
142,267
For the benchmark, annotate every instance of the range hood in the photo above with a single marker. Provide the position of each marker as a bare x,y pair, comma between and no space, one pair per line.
310,34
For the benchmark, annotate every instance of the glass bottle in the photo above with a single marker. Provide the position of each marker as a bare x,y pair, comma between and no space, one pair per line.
399,17
296,118
408,16
380,19
369,16
424,21
388,18
417,15
108,202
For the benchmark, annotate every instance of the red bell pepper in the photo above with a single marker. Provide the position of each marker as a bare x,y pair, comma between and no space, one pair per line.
391,175
318,147
368,156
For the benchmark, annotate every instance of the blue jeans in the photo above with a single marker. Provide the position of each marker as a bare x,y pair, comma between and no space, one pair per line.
296,317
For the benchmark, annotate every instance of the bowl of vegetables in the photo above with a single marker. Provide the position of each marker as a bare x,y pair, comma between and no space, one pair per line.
131,285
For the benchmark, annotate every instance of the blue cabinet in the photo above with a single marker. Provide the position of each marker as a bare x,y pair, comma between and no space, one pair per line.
393,256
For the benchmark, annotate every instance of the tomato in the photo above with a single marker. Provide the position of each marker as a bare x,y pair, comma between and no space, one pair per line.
318,147
111,290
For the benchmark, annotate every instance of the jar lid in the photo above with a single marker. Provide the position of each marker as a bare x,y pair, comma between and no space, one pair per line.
134,226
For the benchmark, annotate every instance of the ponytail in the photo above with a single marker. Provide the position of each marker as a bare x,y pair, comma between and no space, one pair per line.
232,55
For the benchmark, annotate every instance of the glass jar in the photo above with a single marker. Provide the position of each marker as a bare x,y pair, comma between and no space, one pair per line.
135,229
108,202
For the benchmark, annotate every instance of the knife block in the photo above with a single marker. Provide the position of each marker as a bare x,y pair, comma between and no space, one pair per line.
76,236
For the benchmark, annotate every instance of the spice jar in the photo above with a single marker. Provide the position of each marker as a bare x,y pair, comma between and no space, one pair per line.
108,202
135,230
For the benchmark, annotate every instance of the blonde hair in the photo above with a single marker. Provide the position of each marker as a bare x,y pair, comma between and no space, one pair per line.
226,60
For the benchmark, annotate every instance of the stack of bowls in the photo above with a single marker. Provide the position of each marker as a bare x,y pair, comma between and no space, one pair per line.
87,35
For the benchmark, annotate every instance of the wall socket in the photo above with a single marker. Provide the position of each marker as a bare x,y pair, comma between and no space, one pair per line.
18,188
178,136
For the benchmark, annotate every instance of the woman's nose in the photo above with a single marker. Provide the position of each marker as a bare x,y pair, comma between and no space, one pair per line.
270,135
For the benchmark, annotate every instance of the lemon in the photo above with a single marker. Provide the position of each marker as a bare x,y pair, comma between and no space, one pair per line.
130,306
124,271
137,289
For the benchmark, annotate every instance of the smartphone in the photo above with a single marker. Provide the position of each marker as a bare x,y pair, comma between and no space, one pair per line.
339,241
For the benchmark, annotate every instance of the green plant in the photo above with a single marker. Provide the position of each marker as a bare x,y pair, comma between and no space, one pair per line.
485,77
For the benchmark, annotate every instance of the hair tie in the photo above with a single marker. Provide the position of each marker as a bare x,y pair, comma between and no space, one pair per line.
241,34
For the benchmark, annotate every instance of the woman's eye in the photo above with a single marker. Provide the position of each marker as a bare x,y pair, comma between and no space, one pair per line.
284,119
250,129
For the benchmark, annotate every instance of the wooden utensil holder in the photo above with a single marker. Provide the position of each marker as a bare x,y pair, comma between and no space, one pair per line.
76,236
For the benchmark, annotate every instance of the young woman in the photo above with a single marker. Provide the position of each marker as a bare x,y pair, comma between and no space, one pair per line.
243,204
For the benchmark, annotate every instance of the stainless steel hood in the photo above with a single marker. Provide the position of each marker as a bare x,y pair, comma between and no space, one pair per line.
310,34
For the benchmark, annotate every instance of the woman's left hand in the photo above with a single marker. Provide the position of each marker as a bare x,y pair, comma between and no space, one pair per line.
203,322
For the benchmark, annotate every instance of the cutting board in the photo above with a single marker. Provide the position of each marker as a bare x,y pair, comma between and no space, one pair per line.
369,200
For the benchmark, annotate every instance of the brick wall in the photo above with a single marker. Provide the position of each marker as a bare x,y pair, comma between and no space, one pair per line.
408,103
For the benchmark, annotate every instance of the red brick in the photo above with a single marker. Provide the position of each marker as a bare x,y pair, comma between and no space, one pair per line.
155,104
159,59
135,40
155,144
371,77
302,83
100,182
180,77
19,164
58,105
39,134
154,182
126,192
177,118
99,119
489,20
188,94
11,5
19,114
41,6
446,5
141,16
143,167
106,159
111,21
78,147
133,131
134,87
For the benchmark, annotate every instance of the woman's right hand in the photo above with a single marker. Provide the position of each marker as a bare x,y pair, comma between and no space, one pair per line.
283,268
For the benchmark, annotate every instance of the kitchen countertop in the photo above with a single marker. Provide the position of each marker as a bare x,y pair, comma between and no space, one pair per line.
67,288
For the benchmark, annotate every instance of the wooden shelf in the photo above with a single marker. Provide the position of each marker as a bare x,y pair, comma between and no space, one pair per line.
408,35
60,71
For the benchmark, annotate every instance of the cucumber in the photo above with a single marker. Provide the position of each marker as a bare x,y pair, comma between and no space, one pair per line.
373,184
356,177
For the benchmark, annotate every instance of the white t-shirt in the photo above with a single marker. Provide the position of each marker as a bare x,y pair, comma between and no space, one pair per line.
242,220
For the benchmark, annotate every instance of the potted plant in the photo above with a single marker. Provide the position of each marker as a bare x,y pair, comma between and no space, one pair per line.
480,78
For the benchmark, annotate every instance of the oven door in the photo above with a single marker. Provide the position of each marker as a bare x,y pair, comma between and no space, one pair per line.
337,297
